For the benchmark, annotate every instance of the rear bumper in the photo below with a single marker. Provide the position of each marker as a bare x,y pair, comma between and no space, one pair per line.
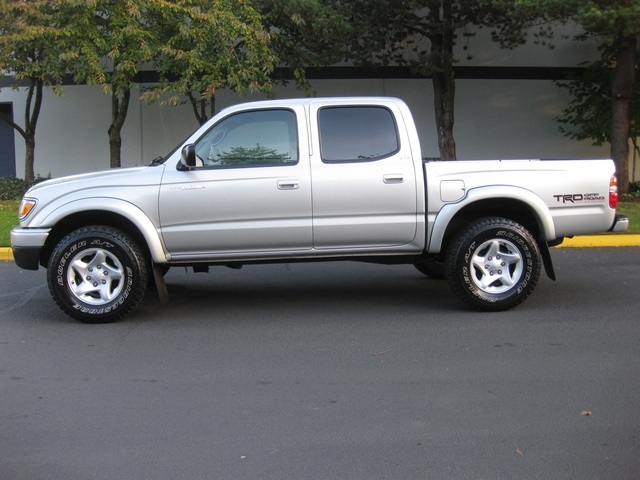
620,224
27,244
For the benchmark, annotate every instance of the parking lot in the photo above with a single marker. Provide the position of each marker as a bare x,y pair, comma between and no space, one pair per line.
327,371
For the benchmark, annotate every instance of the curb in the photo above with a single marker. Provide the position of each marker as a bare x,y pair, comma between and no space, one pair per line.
631,240
6,255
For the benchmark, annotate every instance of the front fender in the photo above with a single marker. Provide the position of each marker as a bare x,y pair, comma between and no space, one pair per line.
116,206
438,223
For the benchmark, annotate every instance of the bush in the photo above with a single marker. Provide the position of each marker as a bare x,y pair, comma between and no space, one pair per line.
12,188
634,193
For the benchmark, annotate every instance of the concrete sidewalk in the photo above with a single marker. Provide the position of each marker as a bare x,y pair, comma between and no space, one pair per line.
621,240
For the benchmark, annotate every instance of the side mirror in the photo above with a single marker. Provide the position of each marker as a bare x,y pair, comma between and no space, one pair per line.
188,157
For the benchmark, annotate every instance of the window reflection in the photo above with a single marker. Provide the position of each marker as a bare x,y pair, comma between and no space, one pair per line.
251,139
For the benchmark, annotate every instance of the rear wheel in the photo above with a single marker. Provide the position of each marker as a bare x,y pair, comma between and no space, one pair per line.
493,264
97,274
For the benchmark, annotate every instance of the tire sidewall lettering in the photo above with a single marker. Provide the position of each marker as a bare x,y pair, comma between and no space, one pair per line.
62,266
491,234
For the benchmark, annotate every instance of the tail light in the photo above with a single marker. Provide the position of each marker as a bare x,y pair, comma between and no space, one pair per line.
613,192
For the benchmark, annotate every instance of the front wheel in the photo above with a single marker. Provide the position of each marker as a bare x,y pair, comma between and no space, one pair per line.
493,264
97,274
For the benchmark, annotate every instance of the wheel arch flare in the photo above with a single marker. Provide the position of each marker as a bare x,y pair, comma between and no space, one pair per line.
109,212
517,204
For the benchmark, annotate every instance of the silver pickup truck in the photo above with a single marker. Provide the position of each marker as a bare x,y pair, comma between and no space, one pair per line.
308,180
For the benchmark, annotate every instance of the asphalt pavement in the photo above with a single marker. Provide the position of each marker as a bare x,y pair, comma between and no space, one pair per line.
327,371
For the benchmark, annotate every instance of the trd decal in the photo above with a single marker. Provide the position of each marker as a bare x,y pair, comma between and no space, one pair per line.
579,198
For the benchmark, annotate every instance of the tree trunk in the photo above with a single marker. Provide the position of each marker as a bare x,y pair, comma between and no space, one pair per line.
31,114
621,94
29,158
199,107
444,98
444,87
119,109
30,147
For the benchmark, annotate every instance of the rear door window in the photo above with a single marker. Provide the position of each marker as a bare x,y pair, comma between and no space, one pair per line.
357,134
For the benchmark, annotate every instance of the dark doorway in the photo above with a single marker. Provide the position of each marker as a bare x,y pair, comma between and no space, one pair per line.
7,143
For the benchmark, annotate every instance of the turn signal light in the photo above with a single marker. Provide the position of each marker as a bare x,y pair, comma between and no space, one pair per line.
26,206
613,192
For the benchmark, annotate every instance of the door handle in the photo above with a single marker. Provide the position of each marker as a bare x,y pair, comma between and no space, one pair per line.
393,178
288,184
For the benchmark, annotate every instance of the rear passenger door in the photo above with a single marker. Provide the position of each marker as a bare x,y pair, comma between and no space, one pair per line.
364,185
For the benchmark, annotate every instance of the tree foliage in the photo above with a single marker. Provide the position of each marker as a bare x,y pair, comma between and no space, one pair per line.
589,113
33,40
112,42
616,25
226,44
198,46
205,46
307,33
422,35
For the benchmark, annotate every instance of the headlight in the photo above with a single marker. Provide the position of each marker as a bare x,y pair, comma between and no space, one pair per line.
26,206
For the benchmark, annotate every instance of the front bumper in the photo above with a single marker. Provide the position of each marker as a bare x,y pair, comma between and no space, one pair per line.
27,244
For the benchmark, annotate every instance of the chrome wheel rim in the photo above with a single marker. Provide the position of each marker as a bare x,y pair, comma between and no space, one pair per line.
95,276
496,266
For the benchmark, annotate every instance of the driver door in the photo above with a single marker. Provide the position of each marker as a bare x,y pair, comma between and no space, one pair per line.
250,191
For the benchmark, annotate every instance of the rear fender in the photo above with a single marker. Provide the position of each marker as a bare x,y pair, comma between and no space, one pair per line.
438,225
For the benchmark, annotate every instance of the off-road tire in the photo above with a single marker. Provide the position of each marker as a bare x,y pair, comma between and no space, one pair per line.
97,274
493,264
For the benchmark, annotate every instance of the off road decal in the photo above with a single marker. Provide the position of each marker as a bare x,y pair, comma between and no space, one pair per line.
579,198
